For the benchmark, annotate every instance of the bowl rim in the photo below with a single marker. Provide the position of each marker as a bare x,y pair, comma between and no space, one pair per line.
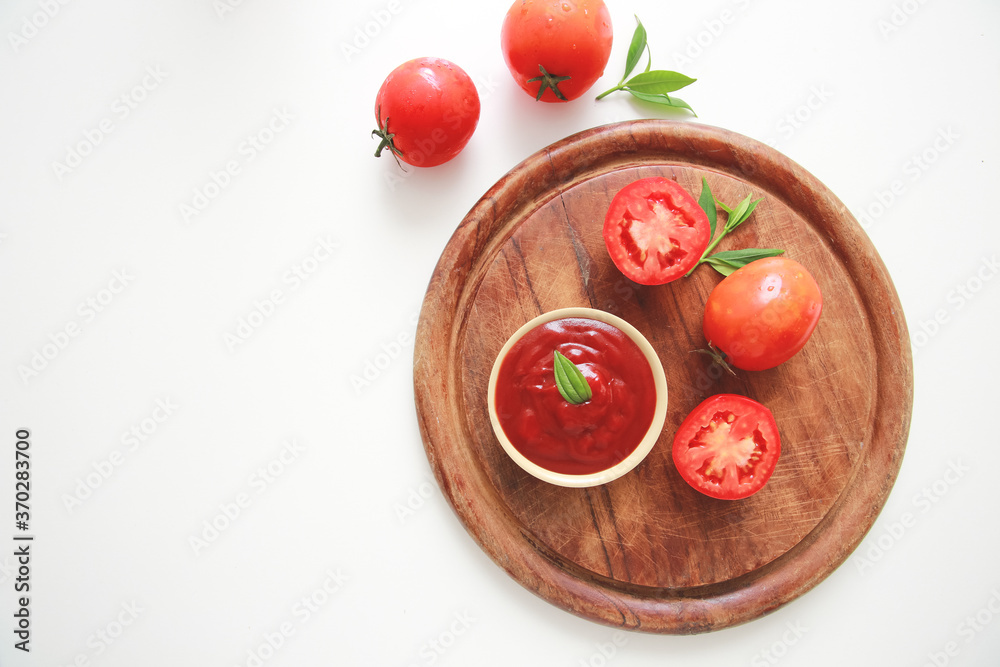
645,445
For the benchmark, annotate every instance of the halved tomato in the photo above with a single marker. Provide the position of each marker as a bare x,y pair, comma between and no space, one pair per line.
727,447
655,231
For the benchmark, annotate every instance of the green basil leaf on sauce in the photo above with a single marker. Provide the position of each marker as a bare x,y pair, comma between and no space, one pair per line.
570,381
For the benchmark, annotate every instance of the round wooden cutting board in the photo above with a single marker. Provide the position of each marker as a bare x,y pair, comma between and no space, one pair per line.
647,552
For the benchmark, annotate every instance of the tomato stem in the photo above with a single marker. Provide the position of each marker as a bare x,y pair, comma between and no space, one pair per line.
547,80
717,356
387,138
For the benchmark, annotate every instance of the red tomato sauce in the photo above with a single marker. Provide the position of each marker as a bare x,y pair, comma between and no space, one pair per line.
575,439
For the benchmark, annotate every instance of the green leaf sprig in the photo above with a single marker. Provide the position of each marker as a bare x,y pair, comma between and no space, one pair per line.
650,86
570,381
727,261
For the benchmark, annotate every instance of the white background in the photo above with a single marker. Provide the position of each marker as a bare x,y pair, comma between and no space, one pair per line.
856,92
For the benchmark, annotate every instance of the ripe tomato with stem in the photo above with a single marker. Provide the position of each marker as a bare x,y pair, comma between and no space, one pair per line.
556,49
762,314
426,110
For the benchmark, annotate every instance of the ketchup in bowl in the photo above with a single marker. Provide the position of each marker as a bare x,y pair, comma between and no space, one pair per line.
593,441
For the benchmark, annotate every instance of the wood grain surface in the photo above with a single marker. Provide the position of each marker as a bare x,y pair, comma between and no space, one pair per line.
646,551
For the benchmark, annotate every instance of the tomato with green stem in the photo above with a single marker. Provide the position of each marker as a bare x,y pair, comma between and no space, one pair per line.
556,49
427,110
762,314
727,447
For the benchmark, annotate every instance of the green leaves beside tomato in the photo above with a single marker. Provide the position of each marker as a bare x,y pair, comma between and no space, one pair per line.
650,86
765,309
727,261
656,232
426,110
556,50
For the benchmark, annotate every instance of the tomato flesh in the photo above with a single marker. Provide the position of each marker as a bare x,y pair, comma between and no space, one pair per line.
431,107
567,38
762,314
655,231
727,447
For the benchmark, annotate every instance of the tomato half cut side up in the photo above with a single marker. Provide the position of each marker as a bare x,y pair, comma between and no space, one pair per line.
727,447
655,231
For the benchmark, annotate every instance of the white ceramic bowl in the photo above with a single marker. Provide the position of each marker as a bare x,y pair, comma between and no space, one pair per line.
645,445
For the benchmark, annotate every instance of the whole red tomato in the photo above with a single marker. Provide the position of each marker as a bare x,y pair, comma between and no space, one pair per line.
655,231
727,447
556,49
763,313
427,110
